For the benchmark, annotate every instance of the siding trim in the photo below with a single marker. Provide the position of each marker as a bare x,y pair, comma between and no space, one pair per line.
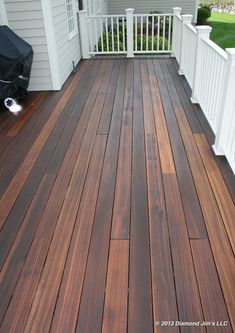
3,14
51,44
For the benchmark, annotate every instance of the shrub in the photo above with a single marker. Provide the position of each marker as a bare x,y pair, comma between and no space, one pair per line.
203,14
156,42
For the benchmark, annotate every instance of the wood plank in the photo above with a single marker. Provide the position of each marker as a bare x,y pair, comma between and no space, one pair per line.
185,101
21,246
214,307
26,114
187,294
222,195
149,121
140,318
121,210
43,236
18,150
5,141
225,169
163,288
66,311
50,159
222,251
13,190
108,107
91,306
42,308
194,218
165,151
8,119
116,295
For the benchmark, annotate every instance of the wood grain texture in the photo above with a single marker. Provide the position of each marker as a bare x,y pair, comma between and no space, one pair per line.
193,213
214,307
163,287
222,251
12,192
121,210
91,306
140,317
115,212
188,299
26,114
66,311
222,195
165,150
116,294
42,309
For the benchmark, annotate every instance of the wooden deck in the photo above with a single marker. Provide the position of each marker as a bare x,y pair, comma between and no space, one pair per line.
114,214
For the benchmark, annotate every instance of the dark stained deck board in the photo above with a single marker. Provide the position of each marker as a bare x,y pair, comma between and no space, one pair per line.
42,309
192,210
66,311
212,298
121,208
225,169
92,301
14,130
220,190
52,209
163,287
222,251
188,298
97,207
17,182
140,316
165,149
116,294
48,156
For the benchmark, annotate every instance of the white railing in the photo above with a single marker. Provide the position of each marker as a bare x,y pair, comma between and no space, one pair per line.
107,34
189,41
126,34
152,33
177,33
210,72
208,90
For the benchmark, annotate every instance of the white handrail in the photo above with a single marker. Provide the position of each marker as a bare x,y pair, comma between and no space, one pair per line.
210,71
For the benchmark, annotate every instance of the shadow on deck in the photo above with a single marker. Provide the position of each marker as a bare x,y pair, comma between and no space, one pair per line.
115,215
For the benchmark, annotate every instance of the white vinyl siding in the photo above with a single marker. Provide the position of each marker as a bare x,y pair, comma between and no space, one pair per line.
145,6
95,7
26,20
68,49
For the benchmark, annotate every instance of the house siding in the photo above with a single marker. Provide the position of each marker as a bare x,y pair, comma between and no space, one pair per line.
144,7
25,18
96,7
68,50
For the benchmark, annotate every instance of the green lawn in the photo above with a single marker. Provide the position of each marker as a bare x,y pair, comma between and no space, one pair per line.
223,32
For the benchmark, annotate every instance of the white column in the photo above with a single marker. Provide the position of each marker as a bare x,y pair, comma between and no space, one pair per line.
227,104
175,36
203,32
84,34
130,39
186,19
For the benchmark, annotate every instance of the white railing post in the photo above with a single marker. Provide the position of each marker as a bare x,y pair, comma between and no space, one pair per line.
130,39
186,19
84,34
203,32
227,104
175,37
